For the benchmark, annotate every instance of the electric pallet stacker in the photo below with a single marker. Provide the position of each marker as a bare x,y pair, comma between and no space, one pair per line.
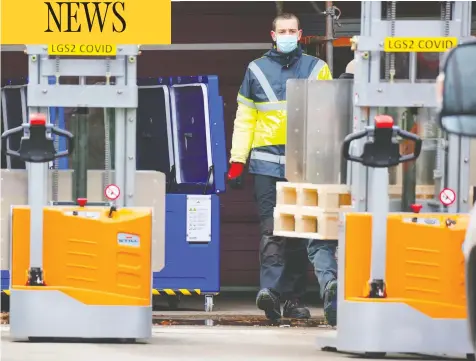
85,270
401,275
401,278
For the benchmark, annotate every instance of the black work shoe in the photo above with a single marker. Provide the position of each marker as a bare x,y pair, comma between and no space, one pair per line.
269,303
294,309
330,303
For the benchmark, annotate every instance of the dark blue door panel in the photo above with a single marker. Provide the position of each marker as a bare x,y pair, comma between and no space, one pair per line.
188,265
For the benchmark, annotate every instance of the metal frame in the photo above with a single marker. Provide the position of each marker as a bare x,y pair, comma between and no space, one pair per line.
123,96
181,47
370,92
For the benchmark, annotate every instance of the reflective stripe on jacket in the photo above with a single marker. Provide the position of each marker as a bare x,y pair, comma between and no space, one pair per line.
260,123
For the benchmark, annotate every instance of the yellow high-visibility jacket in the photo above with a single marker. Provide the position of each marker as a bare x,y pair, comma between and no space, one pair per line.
260,123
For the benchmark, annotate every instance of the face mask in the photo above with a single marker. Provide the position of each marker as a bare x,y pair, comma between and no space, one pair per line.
286,43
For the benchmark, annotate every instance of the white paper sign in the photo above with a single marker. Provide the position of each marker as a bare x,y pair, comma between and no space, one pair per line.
199,218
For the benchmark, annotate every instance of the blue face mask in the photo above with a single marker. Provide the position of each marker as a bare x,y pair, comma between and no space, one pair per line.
286,43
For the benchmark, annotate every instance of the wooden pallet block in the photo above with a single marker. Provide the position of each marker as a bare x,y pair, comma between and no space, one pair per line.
422,191
328,197
305,222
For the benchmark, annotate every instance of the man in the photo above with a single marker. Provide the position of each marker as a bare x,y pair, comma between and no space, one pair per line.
260,127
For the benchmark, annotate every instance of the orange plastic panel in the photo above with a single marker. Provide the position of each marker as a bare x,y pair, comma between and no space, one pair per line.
82,256
358,230
424,263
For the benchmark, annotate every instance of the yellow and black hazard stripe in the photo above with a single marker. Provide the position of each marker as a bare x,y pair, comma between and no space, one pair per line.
158,292
178,292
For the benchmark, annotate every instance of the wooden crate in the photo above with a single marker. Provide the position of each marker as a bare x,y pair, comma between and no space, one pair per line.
305,222
328,198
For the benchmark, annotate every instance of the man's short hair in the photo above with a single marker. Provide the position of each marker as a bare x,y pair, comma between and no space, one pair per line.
284,16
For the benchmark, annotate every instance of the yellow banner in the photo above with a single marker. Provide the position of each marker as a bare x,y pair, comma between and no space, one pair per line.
87,22
419,45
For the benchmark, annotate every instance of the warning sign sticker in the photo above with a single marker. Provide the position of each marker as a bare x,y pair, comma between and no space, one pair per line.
419,45
447,197
112,192
199,219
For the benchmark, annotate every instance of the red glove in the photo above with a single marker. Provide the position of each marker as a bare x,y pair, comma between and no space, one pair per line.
235,175
236,170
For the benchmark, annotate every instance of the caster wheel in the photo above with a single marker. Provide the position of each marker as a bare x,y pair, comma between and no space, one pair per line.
5,303
329,349
127,341
375,355
173,302
208,303
38,339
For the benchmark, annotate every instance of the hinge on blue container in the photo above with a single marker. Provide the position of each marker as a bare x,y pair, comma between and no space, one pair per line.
210,172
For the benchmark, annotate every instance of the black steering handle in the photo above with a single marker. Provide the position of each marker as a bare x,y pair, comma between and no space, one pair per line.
7,134
383,150
43,127
347,142
69,138
415,139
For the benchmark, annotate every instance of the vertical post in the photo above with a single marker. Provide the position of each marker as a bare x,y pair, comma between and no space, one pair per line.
37,199
463,196
370,193
80,129
330,35
453,176
130,162
379,207
80,154
24,109
5,125
37,174
359,173
63,162
462,15
130,136
409,168
120,154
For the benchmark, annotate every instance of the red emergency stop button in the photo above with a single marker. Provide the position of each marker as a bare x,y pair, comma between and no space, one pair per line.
416,208
82,201
383,121
37,119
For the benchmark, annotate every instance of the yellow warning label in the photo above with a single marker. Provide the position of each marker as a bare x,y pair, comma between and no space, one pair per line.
82,50
419,45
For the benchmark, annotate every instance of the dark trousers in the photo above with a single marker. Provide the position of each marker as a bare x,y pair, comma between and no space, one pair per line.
284,261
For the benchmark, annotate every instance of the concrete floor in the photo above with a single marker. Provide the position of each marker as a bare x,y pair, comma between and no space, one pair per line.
183,343
175,339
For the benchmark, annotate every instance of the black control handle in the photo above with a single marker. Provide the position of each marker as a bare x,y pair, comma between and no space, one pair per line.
69,138
346,146
414,138
383,150
35,146
7,134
